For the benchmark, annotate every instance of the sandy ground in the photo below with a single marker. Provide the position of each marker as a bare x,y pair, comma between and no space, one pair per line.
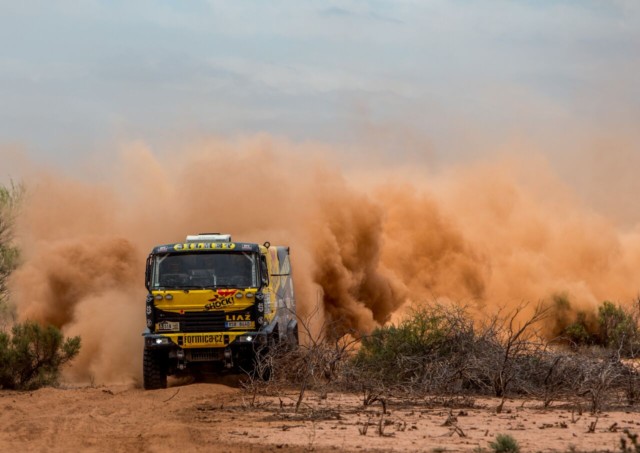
208,417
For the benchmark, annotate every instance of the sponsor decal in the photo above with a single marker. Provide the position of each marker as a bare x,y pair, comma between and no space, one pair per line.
223,298
204,246
236,320
239,317
190,340
164,248
217,304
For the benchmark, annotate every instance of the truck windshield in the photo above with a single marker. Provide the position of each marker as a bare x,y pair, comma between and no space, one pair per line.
205,270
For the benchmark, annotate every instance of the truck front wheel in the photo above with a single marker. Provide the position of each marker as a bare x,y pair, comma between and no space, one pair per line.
154,370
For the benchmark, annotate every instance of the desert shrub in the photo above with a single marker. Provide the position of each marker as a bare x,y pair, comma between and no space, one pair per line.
504,443
31,356
577,333
551,375
614,327
442,351
619,329
428,350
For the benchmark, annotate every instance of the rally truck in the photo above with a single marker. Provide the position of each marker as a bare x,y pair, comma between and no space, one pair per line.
213,304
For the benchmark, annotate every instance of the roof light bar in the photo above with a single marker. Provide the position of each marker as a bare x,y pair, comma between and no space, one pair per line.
209,237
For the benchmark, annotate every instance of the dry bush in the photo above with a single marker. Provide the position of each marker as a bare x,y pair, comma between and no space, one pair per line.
509,348
440,350
552,375
319,364
599,379
595,377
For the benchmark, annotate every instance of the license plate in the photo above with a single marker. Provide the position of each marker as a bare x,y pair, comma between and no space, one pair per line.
168,326
232,324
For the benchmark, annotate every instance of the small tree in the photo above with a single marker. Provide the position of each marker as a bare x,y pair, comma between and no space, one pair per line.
9,254
32,355
511,341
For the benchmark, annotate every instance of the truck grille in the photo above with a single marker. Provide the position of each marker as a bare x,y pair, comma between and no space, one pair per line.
209,321
204,355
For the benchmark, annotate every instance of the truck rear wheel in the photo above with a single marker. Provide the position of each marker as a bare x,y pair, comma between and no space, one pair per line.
154,370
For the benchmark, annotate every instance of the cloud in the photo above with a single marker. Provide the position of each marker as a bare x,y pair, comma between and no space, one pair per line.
335,11
148,70
368,15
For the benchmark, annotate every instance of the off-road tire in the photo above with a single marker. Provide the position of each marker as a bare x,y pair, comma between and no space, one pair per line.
154,370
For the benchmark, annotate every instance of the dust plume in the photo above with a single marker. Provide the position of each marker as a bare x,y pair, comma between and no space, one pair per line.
363,248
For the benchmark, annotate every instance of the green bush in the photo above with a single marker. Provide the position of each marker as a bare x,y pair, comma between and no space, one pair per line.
613,327
31,356
504,443
406,353
618,329
578,332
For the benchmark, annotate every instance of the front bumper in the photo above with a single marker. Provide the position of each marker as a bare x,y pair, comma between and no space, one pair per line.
202,340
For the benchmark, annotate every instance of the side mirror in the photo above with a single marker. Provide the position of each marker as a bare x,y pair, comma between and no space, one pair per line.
147,274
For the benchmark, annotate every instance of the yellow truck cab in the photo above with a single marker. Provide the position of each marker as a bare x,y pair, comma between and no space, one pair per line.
212,304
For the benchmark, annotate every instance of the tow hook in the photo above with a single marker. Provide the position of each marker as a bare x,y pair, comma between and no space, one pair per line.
228,360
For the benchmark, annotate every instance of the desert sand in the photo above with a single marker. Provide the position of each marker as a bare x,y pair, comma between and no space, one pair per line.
214,416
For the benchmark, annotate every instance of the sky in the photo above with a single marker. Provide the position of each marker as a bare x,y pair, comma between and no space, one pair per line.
452,79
